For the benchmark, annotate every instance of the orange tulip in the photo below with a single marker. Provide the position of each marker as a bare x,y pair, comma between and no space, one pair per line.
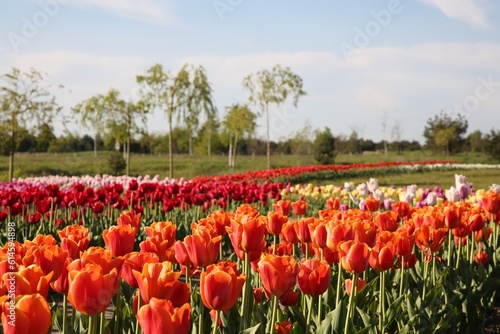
61,285
348,285
247,233
41,240
29,314
275,221
337,233
313,277
119,239
202,248
28,280
49,258
354,256
429,238
283,207
157,280
92,287
451,216
382,256
483,235
402,209
333,203
278,273
74,239
491,202
387,221
403,242
283,327
163,231
128,218
299,207
135,261
372,204
288,232
160,316
220,286
302,229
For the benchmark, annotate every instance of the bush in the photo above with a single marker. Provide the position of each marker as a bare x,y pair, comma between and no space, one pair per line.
324,147
117,163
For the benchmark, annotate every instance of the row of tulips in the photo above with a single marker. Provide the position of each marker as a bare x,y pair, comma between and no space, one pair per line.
405,269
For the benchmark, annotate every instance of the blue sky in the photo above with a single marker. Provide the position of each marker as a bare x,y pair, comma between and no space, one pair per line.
359,60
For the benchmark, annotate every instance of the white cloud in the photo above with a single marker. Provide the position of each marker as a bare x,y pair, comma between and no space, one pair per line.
473,12
410,84
149,11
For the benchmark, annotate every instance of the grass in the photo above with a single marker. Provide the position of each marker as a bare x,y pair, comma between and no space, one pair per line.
84,163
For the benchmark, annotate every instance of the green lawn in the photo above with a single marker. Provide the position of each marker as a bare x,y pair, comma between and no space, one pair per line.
85,163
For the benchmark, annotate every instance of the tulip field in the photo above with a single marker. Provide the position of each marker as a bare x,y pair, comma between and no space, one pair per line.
249,253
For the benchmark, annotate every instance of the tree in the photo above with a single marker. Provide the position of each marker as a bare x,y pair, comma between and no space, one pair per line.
273,86
172,93
493,144
25,100
110,114
396,133
199,101
238,122
324,147
45,136
443,137
441,122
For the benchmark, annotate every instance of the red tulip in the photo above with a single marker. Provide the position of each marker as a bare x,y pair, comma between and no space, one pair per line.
284,327
314,277
278,273
299,207
220,287
348,285
354,256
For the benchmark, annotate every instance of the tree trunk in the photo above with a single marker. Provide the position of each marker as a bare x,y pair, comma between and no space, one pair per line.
229,158
129,121
190,145
170,155
234,150
209,148
268,138
12,148
95,145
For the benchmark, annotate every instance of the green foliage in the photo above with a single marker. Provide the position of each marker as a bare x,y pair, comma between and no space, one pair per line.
446,133
117,163
324,147
493,144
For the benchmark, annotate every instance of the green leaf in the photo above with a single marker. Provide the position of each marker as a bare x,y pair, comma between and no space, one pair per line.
393,309
364,316
251,330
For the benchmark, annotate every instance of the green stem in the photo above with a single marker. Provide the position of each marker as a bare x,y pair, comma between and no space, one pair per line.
138,329
216,322
245,309
401,283
459,253
275,241
433,271
309,313
320,310
118,310
382,302
274,312
450,241
339,282
103,323
65,313
351,306
202,311
426,268
92,324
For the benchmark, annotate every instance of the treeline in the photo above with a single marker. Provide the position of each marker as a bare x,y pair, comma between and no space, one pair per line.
299,143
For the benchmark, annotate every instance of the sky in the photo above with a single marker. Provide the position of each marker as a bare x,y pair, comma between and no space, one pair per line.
363,63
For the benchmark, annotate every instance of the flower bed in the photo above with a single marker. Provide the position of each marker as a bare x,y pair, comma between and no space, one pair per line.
273,259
